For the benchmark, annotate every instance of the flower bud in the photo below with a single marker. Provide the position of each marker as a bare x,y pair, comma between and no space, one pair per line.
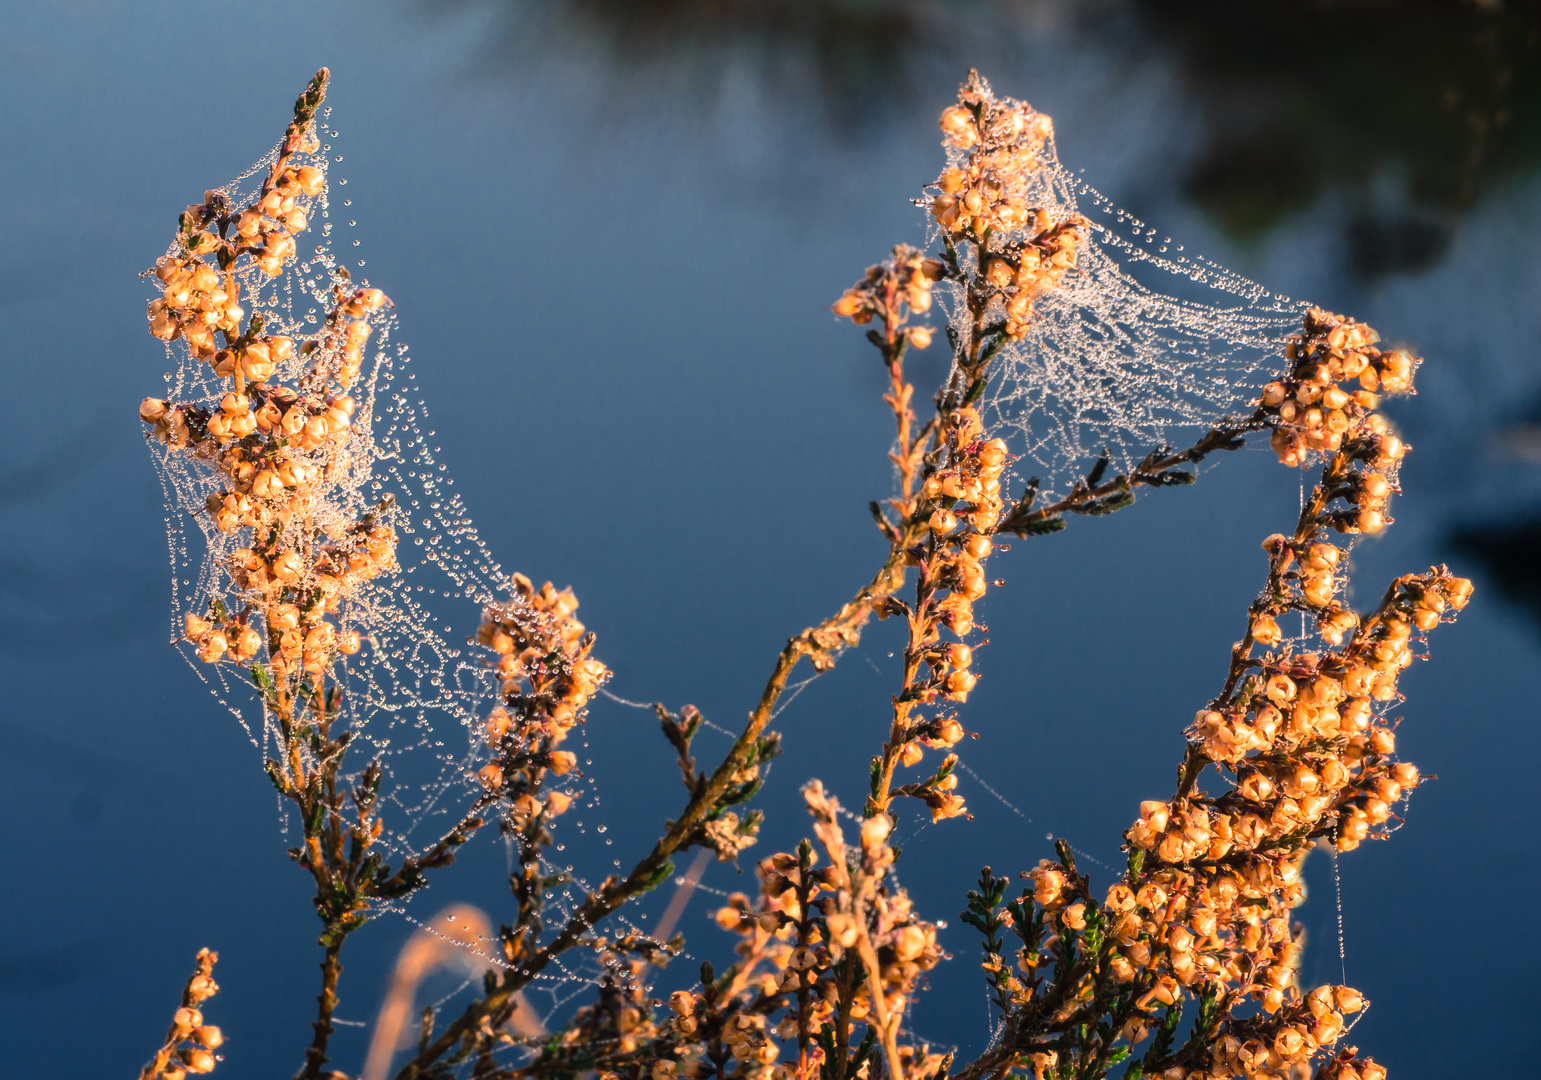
267,485
1280,689
561,762
247,643
949,732
875,830
491,776
288,567
957,124
1348,999
214,646
1458,591
1265,631
498,725
961,682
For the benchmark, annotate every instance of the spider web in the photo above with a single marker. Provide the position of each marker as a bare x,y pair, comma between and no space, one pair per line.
1121,359
412,693
417,692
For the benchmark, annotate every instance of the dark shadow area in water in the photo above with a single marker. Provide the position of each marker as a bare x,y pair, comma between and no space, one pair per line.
1414,110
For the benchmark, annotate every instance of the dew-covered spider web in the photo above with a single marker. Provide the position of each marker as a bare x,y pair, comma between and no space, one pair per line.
416,692
1140,346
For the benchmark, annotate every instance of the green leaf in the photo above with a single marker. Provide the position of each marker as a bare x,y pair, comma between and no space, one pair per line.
1044,527
1136,864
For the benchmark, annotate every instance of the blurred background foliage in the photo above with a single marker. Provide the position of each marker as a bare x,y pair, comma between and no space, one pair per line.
1293,98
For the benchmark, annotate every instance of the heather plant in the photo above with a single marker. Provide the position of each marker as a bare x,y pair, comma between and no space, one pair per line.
290,441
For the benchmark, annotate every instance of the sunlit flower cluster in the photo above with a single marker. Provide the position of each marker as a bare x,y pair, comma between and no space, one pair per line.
1027,268
1307,758
547,678
1310,409
999,144
275,447
984,196
960,503
200,300
820,948
892,289
190,1042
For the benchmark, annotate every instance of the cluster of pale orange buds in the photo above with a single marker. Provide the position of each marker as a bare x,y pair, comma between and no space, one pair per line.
803,923
1282,1045
334,571
744,1035
965,503
1174,928
196,301
1416,602
1024,271
1001,141
216,639
1220,875
960,504
180,427
267,228
190,1043
1347,1065
352,312
1309,409
861,906
888,288
304,424
253,358
546,675
1314,575
1217,877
